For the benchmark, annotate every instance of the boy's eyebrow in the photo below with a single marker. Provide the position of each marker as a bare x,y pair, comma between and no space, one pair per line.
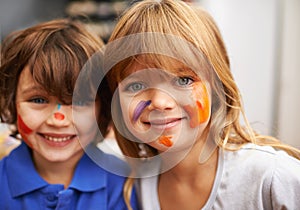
32,88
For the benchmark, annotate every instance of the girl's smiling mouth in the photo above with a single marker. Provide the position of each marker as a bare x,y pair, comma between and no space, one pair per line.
164,124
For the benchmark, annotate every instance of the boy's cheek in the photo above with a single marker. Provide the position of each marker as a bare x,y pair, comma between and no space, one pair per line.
24,130
22,127
28,119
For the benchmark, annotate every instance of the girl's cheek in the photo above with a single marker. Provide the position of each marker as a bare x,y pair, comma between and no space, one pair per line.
139,109
198,114
200,110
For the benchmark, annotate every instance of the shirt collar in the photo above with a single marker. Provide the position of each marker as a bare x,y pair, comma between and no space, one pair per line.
22,175
94,168
88,175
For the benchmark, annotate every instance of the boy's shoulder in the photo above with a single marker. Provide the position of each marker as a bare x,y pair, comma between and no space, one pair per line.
111,164
18,152
2,168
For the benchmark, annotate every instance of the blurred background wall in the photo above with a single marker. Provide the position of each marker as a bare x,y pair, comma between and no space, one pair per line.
262,38
18,14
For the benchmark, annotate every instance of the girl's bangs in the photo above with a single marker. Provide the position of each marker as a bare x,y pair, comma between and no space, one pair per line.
162,62
158,50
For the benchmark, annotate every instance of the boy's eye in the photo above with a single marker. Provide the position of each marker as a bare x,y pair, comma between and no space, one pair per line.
38,100
183,81
136,86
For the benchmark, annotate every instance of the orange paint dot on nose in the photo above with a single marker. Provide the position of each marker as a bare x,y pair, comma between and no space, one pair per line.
59,116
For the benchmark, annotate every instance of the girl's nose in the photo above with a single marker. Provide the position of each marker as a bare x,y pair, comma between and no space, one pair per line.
161,100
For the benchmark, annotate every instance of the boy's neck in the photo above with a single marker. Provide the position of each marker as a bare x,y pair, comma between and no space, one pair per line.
56,172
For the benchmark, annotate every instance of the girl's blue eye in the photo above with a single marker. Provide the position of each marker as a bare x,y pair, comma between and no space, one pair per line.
38,101
81,103
134,87
183,81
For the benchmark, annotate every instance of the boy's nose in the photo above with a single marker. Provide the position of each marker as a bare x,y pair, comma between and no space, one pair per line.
59,117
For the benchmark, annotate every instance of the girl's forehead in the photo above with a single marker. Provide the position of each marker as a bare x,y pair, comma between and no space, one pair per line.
165,64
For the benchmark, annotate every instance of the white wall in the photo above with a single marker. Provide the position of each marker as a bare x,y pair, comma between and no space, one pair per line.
248,28
19,14
289,103
263,42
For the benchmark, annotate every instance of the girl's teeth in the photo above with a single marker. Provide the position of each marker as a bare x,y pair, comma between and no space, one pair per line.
56,139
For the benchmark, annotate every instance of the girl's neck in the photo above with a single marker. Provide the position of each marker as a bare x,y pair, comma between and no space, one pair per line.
189,163
190,167
187,180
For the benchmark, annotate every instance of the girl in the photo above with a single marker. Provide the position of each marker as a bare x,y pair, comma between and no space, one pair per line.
55,119
176,111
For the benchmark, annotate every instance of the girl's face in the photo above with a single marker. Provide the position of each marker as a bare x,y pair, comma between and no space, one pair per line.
48,127
164,110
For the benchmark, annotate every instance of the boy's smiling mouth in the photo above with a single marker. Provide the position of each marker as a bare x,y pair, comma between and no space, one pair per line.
58,137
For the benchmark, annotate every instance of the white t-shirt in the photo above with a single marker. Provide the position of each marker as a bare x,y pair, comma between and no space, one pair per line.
254,177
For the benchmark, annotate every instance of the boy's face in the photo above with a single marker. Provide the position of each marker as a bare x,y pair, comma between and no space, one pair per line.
162,109
49,127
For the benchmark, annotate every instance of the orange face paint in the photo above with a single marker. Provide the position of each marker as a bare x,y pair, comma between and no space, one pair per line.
165,140
59,116
199,113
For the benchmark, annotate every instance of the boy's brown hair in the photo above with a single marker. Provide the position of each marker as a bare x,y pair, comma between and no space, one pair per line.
55,51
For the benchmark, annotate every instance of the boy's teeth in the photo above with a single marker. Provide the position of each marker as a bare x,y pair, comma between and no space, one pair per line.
56,139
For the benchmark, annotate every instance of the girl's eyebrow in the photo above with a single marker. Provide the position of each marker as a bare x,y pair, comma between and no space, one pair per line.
132,77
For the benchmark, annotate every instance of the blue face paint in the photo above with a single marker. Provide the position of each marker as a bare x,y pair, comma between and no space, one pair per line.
58,115
139,109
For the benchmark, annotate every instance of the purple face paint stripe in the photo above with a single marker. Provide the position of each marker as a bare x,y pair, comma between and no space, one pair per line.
139,109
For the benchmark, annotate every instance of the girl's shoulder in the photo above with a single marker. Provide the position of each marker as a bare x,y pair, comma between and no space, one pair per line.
262,159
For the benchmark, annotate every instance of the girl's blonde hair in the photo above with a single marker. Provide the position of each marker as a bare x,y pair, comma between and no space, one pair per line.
174,17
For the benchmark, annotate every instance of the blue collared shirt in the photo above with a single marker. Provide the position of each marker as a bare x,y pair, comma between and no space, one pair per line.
92,188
